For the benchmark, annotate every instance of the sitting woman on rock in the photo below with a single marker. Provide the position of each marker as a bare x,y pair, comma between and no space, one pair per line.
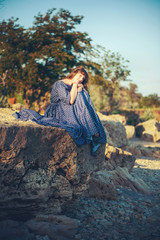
72,109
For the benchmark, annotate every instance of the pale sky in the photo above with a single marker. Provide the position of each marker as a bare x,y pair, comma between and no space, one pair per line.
130,27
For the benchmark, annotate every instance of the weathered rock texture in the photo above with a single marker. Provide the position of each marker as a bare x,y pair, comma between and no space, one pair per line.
55,227
116,157
139,151
130,131
123,178
116,133
113,117
101,186
149,130
41,168
42,227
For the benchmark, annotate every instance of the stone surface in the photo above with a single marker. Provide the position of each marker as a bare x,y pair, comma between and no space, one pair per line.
101,183
149,130
130,131
139,150
43,227
13,230
41,168
124,178
56,227
113,117
117,157
116,133
132,215
101,186
18,106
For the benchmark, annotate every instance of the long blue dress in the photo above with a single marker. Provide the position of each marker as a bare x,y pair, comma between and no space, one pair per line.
79,119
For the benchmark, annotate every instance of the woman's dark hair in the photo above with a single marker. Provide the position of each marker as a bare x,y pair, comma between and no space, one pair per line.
81,70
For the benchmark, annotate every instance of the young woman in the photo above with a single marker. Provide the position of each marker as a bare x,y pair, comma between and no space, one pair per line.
72,109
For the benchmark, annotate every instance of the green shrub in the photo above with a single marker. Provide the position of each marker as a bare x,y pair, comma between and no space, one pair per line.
147,115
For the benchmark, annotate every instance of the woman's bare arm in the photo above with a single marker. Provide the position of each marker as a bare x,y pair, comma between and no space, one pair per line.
80,87
73,92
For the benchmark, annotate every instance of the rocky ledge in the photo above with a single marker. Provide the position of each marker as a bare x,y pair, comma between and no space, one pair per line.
53,190
41,167
42,170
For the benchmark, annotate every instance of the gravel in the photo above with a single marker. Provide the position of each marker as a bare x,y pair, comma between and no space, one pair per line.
133,216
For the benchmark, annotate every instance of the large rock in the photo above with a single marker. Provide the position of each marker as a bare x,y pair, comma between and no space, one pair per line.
55,227
123,178
116,133
130,131
142,151
42,227
149,130
13,230
41,168
113,117
101,186
117,157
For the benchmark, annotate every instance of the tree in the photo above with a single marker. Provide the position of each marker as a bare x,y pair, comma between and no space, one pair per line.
115,71
129,97
12,55
152,100
37,57
108,72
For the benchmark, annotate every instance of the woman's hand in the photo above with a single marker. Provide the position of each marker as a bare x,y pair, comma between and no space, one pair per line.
76,87
80,87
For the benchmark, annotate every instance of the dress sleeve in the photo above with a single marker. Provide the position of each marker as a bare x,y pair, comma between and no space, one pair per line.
60,93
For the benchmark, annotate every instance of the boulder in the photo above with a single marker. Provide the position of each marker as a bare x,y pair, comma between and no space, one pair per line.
103,183
42,227
101,186
130,131
117,157
149,130
54,226
41,168
142,151
10,229
113,117
116,133
124,178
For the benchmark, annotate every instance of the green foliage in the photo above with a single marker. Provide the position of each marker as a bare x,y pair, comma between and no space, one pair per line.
108,71
99,97
19,97
152,100
131,116
35,58
115,70
129,97
147,115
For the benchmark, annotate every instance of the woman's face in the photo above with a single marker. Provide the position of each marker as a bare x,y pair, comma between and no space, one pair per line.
79,77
